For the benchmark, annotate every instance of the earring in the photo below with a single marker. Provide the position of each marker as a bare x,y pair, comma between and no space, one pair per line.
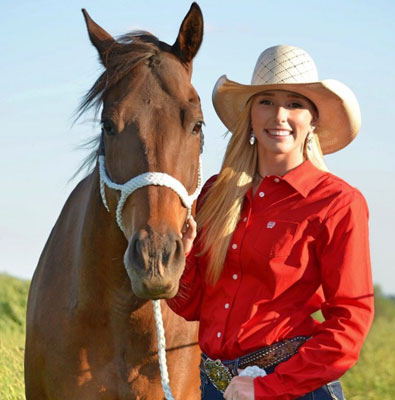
310,141
252,138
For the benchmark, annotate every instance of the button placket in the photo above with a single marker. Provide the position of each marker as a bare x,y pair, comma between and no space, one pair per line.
234,253
260,197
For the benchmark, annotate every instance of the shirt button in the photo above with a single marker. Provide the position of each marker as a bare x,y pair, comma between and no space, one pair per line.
234,276
227,305
276,180
261,194
218,334
234,246
245,219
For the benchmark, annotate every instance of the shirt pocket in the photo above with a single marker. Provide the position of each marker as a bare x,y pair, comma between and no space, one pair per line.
275,238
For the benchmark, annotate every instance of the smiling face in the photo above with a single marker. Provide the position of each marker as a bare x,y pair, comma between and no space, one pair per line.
281,121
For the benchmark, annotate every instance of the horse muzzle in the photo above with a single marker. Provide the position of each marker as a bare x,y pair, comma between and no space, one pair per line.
154,263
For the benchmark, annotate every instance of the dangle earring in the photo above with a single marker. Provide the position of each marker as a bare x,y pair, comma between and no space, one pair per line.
252,138
310,138
309,142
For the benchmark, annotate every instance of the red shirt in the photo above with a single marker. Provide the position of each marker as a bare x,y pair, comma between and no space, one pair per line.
301,245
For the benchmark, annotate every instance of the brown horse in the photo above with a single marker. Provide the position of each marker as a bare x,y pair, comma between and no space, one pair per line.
89,335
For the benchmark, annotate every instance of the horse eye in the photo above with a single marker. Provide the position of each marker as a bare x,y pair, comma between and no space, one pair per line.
108,128
197,128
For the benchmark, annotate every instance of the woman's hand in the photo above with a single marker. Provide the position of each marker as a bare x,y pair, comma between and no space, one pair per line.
240,388
188,235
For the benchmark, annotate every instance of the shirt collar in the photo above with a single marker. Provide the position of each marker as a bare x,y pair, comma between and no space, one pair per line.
304,177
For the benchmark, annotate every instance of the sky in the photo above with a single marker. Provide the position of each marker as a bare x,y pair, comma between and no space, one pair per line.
48,63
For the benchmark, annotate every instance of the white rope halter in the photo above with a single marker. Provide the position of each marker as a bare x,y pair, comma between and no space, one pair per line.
146,179
126,189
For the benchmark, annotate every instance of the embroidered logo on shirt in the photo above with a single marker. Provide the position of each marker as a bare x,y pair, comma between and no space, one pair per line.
270,224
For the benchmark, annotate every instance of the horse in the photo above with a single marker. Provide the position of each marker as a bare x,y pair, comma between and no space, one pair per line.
90,331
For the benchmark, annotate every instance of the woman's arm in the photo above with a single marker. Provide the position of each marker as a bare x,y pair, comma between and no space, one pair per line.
187,301
344,261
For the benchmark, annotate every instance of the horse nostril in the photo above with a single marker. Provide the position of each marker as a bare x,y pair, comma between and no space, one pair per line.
165,257
175,252
135,246
135,253
179,251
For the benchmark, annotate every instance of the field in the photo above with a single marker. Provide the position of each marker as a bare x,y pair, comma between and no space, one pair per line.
13,296
372,378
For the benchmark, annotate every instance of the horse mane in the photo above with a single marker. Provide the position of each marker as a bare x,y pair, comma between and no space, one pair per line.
119,60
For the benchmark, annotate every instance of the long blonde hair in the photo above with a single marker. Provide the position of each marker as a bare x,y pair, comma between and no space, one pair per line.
220,211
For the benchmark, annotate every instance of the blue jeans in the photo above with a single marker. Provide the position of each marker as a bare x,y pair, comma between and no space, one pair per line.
331,391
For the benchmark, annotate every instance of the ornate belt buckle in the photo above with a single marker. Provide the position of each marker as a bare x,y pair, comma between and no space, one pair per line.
218,374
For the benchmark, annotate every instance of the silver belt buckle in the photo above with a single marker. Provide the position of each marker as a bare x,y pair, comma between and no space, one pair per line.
218,374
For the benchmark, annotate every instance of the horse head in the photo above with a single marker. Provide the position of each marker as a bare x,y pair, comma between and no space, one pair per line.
151,122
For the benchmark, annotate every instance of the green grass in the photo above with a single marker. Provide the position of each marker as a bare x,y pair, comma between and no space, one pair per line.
13,297
372,378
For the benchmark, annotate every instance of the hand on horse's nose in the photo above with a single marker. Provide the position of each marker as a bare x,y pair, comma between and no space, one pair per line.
188,235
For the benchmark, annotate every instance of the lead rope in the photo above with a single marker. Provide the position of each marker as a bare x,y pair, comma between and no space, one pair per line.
160,331
126,189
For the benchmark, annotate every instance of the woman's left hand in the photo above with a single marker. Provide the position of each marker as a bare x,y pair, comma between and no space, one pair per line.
240,388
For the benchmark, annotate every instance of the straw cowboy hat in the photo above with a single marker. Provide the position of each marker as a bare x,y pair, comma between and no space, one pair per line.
291,68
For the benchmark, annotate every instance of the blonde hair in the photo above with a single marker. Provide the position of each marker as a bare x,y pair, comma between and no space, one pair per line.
313,152
221,208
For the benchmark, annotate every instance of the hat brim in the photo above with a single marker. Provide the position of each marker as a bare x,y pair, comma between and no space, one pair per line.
339,117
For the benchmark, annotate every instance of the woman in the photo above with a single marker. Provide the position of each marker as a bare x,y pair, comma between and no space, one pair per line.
279,238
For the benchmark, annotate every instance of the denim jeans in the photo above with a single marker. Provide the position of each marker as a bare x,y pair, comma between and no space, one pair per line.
330,391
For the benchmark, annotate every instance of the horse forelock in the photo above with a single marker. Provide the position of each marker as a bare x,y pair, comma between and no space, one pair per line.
128,51
120,59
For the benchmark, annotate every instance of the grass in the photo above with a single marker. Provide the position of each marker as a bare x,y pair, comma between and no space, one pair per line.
13,297
372,378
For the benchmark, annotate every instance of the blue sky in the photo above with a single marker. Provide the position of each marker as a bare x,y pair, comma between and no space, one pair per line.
48,63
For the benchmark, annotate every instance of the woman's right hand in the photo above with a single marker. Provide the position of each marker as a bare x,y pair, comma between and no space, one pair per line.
188,235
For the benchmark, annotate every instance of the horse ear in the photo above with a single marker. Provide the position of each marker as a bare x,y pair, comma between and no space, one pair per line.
98,36
190,35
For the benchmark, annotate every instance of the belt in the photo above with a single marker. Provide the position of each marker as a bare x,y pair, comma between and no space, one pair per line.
221,373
